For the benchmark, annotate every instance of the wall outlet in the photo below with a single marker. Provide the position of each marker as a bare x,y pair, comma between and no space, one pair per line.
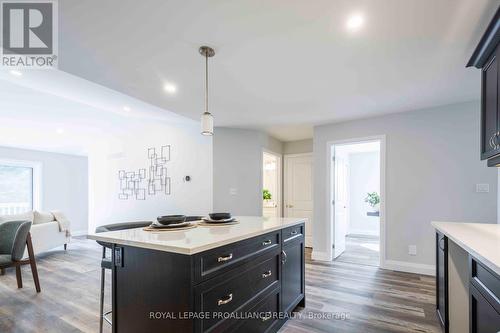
482,188
233,191
412,250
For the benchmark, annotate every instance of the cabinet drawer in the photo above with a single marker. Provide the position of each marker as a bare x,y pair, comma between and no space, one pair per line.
484,318
484,280
210,263
233,291
264,315
294,232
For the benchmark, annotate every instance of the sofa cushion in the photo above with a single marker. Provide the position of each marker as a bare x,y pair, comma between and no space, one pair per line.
28,216
42,217
5,259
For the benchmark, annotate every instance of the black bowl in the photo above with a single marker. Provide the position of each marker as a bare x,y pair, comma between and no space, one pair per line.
193,218
171,219
220,216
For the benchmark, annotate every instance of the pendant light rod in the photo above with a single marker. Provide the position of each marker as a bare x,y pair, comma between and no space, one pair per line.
206,83
206,51
207,120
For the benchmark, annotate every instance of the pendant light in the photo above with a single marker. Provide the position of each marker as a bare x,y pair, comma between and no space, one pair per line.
207,120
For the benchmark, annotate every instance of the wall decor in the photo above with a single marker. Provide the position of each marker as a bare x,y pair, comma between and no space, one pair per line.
158,181
151,181
130,184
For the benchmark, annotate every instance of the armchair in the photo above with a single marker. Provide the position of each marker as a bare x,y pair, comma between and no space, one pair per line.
14,236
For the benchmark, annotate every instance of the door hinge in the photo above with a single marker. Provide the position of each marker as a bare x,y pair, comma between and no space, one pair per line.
333,202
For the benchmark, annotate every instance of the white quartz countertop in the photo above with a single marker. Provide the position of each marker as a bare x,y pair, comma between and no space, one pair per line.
481,240
199,239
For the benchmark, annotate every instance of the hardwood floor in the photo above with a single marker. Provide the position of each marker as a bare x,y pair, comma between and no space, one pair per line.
69,301
374,300
361,250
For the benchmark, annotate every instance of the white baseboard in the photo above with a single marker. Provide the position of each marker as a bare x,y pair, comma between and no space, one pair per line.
409,267
320,256
79,233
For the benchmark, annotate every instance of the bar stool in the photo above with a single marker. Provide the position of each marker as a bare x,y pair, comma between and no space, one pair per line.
106,262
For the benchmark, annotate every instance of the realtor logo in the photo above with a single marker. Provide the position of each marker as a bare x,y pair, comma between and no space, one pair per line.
29,34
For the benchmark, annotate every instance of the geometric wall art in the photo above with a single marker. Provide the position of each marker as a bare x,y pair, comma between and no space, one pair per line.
151,181
158,180
131,184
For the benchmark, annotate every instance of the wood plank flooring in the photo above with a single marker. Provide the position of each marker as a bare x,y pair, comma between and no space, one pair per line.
373,300
361,250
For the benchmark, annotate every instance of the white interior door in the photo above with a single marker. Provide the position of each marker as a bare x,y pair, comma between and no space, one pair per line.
299,190
341,197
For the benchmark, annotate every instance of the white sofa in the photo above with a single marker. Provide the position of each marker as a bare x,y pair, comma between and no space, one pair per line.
45,230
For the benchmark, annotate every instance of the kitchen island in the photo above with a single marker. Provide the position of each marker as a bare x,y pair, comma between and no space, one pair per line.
245,277
468,277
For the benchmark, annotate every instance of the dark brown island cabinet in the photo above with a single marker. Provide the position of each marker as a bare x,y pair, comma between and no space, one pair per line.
442,280
486,58
251,285
479,310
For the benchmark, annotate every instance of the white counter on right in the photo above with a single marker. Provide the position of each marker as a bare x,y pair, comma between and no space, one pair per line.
481,240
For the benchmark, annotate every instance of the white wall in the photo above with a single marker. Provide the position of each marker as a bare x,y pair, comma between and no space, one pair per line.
191,155
238,168
298,147
364,174
432,169
64,183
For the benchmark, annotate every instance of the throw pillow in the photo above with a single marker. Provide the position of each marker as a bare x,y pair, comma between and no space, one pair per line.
42,217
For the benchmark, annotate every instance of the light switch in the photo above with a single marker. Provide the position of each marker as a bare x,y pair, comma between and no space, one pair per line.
233,191
482,188
412,250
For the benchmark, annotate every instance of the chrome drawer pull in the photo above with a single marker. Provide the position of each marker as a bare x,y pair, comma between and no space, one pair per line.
266,274
293,232
226,258
266,318
226,300
267,242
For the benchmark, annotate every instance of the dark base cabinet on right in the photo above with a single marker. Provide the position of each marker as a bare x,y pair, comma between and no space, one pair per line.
292,257
484,303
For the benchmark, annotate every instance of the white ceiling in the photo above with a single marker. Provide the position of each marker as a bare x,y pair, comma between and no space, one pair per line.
280,65
55,111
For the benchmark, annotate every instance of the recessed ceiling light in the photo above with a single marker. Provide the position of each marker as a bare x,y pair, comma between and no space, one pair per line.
126,108
355,21
59,131
16,73
170,88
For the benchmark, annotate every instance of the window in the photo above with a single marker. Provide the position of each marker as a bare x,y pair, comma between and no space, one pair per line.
19,187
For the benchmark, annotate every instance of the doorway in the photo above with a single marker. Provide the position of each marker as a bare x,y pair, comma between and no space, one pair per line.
355,189
271,184
298,191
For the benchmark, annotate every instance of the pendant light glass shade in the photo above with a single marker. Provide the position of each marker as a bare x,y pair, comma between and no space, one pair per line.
207,124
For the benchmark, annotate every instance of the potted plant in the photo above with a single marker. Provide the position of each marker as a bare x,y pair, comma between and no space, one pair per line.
373,199
266,195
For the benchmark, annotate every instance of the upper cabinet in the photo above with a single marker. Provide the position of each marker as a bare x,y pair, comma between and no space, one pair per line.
486,57
490,146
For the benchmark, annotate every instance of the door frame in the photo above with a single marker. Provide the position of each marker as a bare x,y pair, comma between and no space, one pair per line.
279,169
330,212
